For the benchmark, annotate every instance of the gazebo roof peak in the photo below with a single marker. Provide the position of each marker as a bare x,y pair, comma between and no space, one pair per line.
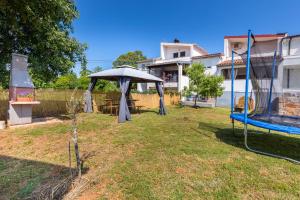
135,75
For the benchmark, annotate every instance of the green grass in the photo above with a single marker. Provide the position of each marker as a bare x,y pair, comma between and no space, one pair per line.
188,154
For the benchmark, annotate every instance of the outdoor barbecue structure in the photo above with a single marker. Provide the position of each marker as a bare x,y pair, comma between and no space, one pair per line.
21,91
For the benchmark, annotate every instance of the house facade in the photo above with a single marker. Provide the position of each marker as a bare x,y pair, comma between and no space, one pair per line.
174,59
264,49
286,79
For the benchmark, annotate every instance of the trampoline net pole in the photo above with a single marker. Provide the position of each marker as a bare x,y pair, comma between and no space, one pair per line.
232,81
247,76
232,88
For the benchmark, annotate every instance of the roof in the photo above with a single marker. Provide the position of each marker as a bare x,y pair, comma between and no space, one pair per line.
208,56
257,36
229,62
125,71
241,61
147,60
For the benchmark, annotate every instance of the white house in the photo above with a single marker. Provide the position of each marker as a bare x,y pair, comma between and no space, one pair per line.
267,44
174,58
291,63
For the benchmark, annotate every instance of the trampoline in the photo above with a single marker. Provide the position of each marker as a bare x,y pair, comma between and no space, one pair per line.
267,87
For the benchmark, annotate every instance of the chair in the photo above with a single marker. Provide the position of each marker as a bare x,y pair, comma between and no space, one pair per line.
239,107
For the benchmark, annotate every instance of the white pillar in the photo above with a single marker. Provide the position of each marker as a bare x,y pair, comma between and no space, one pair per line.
139,87
179,77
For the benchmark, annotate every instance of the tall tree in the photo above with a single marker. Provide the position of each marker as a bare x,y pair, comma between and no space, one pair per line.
202,84
130,58
97,69
42,30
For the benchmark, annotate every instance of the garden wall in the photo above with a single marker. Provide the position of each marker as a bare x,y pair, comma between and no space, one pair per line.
53,101
289,104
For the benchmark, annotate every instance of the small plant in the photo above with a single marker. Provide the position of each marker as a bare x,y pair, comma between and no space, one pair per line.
73,107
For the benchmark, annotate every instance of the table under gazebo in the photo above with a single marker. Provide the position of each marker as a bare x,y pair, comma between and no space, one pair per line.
125,75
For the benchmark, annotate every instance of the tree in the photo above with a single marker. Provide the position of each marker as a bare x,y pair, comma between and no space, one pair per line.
68,81
97,69
104,85
42,30
84,80
130,58
202,84
73,108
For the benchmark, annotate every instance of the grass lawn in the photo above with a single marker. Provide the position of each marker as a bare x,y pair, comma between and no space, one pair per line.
188,154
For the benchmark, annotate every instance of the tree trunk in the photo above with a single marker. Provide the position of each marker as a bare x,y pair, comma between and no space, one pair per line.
70,159
75,140
195,104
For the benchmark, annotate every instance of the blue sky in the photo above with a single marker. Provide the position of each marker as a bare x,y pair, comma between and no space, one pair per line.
114,27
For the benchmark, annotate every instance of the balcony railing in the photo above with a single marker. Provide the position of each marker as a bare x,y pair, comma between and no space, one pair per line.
166,85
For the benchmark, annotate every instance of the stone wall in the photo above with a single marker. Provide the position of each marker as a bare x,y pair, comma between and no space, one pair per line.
289,104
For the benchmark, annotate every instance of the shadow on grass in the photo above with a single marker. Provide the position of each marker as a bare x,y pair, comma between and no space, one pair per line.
132,112
147,111
29,179
258,139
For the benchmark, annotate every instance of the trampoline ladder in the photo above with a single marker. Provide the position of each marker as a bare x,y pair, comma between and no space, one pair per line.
265,153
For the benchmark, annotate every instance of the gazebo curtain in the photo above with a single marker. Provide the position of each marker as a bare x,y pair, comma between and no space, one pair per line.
129,103
124,114
162,108
88,105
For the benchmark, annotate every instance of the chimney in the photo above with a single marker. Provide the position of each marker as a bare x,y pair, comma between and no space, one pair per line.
176,40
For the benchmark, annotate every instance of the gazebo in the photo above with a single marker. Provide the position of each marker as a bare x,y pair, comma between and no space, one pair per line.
125,75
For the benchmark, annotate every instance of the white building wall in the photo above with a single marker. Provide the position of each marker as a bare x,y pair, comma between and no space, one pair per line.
169,51
239,85
185,82
210,64
294,48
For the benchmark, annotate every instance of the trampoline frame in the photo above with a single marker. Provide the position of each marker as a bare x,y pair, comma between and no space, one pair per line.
244,117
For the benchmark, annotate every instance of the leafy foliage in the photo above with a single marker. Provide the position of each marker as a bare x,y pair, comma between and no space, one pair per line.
68,81
202,84
71,81
104,85
130,58
41,30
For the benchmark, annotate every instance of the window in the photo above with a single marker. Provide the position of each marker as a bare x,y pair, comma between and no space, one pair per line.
182,54
175,55
170,76
240,73
237,45
226,73
291,78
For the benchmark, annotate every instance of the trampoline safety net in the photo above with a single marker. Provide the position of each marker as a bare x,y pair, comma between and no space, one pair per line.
271,103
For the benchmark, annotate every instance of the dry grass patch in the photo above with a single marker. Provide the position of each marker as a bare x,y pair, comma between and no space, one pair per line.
188,154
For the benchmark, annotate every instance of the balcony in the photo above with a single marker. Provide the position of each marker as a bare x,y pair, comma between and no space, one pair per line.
170,84
166,85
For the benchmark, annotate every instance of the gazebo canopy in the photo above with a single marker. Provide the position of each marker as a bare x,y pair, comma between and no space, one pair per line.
136,76
124,75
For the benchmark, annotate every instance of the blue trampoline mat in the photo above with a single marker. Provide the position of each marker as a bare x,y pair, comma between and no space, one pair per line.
275,127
